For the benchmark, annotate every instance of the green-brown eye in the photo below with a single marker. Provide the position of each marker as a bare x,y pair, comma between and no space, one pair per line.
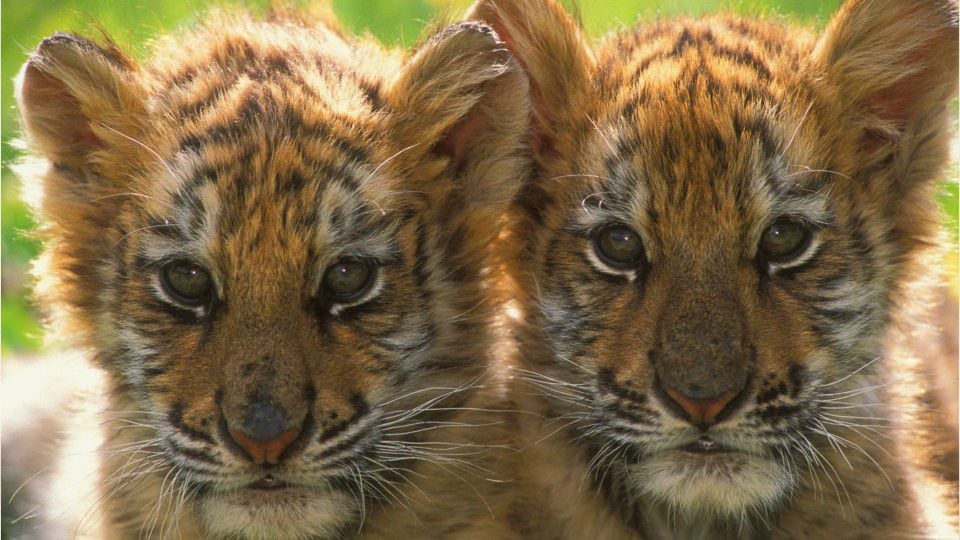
186,282
784,240
347,279
618,245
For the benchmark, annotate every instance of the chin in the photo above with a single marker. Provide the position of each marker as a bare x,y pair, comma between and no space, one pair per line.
726,486
286,513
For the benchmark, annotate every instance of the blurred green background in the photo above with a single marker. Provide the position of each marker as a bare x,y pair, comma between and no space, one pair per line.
133,23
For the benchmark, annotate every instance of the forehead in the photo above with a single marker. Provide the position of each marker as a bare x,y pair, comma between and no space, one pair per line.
695,125
267,167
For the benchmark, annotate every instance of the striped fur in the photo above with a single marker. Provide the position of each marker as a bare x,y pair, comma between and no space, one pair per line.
264,151
698,134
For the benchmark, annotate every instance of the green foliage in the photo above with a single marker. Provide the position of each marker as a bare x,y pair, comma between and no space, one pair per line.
392,22
601,17
26,22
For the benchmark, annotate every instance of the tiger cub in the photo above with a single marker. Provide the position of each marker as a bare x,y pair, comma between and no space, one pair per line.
722,229
273,240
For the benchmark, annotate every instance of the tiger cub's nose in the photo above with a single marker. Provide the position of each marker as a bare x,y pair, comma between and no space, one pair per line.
265,433
703,412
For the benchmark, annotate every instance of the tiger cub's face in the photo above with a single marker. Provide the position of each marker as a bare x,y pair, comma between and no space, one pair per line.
715,236
268,236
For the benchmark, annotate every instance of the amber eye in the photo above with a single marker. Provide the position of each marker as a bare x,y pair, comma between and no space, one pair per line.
186,282
785,239
348,279
618,245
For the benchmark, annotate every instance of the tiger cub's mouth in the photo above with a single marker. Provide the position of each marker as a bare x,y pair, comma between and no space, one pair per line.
705,446
271,489
269,483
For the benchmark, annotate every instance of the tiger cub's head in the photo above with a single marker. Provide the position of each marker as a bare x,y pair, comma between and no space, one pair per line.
274,239
723,212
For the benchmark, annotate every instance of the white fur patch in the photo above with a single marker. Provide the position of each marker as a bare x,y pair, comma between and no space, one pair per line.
288,514
726,487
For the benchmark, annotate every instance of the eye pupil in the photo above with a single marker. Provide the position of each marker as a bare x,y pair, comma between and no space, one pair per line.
784,239
348,279
186,282
619,245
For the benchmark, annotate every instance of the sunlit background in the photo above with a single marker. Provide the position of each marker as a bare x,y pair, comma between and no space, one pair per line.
395,22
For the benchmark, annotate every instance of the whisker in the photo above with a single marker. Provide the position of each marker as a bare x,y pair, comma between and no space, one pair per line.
380,166
803,118
144,146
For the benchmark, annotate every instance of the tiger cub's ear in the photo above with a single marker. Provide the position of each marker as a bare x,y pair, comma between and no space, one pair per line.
75,96
462,95
550,46
891,67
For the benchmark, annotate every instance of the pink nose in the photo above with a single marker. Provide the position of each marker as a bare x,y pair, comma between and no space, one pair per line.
264,434
265,451
702,412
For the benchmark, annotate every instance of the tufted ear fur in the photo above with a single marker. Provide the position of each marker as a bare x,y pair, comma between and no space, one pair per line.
550,46
891,66
80,105
68,90
461,95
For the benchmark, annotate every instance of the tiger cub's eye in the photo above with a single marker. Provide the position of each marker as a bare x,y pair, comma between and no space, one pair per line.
186,282
618,246
785,239
348,279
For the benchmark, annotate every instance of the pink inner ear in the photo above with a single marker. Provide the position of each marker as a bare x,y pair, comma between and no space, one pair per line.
896,103
460,138
53,115
893,104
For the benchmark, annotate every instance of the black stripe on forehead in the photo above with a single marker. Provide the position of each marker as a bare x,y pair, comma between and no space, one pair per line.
166,229
287,65
642,170
702,40
259,117
187,202
798,190
309,170
296,196
702,87
621,184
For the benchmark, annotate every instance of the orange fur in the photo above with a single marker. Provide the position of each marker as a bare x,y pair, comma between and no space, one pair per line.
264,153
697,135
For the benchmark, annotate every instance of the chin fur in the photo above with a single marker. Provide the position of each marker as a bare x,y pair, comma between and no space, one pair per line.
287,514
727,487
